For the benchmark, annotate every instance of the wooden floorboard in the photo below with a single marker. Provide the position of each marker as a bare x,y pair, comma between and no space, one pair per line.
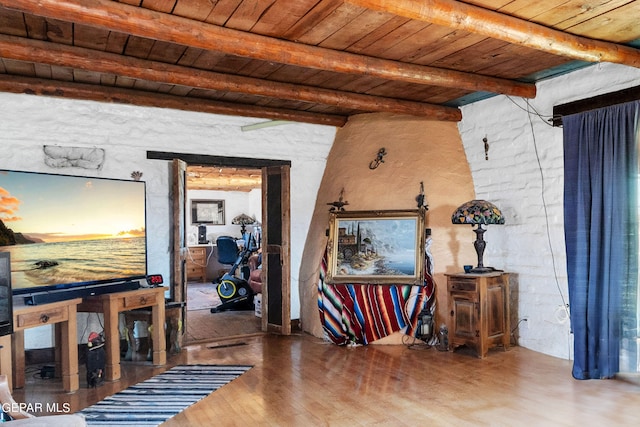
302,380
202,325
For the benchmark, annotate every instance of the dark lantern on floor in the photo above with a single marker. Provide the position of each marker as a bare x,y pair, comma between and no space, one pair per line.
478,212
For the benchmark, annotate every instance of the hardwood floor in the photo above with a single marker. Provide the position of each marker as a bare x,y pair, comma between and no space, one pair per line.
202,325
301,380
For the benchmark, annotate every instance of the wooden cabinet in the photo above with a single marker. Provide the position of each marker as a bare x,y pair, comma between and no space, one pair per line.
479,310
197,263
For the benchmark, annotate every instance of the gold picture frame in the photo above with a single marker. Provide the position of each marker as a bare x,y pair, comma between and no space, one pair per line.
376,247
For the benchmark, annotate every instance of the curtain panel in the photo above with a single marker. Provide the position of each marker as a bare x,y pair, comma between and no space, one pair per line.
601,234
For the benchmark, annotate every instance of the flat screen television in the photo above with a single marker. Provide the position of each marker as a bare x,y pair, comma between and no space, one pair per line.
71,236
6,301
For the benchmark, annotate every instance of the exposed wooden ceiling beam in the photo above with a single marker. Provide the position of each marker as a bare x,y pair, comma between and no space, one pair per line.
174,29
458,15
34,86
22,49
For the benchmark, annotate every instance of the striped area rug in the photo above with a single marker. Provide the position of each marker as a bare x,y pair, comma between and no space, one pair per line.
159,398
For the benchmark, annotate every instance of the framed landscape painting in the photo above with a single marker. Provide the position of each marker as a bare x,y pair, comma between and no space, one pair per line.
376,247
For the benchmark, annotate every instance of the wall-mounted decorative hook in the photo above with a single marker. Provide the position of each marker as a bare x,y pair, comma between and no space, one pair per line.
379,159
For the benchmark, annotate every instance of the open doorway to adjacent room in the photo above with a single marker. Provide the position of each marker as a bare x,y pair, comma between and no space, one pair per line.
220,201
275,208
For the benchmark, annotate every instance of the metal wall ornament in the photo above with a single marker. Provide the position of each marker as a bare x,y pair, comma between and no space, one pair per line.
339,204
379,159
486,148
421,199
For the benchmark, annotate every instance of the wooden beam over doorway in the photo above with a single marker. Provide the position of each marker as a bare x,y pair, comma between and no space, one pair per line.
203,159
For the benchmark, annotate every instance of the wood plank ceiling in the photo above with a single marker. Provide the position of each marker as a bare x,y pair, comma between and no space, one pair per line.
223,178
314,61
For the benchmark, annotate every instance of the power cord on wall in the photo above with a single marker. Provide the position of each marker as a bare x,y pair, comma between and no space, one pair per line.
529,112
206,262
86,326
512,337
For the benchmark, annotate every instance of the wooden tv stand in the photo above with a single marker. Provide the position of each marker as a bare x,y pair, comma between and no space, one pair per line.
111,305
62,314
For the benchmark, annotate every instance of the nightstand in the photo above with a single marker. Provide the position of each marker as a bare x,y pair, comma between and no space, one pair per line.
479,310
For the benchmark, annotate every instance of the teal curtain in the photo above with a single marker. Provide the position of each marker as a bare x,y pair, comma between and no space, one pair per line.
601,235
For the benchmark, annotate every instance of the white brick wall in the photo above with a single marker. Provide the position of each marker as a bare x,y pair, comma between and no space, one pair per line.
126,133
531,243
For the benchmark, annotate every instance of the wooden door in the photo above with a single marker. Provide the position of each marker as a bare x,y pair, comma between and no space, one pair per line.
496,316
276,292
465,328
178,199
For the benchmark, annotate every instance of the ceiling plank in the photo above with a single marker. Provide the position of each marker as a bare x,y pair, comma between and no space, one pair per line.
223,178
35,86
13,26
170,28
458,15
21,49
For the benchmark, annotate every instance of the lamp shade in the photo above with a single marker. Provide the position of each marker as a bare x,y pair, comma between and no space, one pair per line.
477,212
243,219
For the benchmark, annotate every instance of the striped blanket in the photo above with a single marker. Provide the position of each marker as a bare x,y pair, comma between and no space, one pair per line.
363,313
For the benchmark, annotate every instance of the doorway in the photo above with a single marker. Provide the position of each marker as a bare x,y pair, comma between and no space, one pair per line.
276,272
220,201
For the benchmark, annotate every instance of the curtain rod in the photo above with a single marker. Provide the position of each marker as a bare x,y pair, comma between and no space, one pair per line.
600,101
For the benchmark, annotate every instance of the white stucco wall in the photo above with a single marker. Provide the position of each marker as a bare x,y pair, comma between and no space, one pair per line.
126,133
524,177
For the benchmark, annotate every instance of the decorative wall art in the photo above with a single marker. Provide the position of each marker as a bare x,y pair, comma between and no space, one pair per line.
207,212
376,247
79,157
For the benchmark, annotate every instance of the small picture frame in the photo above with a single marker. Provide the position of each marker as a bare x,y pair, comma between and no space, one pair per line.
376,247
209,212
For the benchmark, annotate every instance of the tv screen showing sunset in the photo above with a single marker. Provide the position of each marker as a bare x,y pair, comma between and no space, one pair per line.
66,229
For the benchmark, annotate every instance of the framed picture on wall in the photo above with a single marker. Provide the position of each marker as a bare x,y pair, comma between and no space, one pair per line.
207,212
376,247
